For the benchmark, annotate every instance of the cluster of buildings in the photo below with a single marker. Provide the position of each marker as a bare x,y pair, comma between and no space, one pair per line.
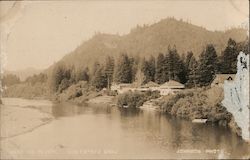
169,87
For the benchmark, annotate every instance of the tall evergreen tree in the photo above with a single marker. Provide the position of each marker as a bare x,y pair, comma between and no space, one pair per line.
159,71
192,72
134,64
123,70
99,78
182,74
229,58
148,69
165,74
188,58
187,62
140,77
243,46
109,69
152,67
174,67
207,65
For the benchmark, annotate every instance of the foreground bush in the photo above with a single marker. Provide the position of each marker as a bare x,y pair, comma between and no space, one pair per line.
135,99
195,104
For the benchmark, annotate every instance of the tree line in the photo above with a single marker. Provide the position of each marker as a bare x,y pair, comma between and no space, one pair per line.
186,69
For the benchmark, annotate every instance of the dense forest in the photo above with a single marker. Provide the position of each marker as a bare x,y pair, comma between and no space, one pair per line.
184,68
187,69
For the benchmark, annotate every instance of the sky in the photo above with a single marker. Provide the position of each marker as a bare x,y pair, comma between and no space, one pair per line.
37,34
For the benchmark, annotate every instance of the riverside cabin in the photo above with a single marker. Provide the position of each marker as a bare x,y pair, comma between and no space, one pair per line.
150,86
220,78
170,87
122,87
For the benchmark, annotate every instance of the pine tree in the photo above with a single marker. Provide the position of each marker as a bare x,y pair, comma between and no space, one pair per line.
207,65
109,70
165,74
99,78
229,58
159,71
174,65
192,72
140,77
151,63
148,69
134,63
187,62
123,70
188,58
182,74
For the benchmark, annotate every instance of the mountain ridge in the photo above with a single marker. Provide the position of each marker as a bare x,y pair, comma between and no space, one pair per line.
151,40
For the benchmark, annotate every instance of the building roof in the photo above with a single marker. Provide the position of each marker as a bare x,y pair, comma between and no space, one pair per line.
220,78
126,85
172,84
150,84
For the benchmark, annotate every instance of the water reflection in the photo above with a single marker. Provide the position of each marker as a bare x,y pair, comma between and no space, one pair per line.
168,133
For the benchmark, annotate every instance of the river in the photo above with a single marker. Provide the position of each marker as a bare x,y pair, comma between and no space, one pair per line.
101,131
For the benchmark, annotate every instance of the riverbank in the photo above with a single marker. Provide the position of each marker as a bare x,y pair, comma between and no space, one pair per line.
22,118
190,104
201,103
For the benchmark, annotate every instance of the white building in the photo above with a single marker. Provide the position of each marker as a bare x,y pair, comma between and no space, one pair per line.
170,87
150,86
123,87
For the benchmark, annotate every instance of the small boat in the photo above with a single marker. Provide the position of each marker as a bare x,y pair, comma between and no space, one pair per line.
125,106
199,120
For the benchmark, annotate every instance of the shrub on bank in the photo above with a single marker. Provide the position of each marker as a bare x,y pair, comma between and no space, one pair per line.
73,91
131,99
196,104
135,99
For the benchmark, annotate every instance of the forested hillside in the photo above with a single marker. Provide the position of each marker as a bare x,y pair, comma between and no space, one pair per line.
151,40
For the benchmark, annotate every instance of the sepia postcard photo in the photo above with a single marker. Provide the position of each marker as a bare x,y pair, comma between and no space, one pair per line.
124,79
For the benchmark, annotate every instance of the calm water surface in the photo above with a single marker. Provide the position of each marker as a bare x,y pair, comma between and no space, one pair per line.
100,131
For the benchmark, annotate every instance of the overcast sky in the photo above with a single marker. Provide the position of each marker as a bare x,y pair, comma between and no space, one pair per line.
41,33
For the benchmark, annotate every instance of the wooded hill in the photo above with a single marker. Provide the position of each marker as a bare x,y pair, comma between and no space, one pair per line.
152,39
